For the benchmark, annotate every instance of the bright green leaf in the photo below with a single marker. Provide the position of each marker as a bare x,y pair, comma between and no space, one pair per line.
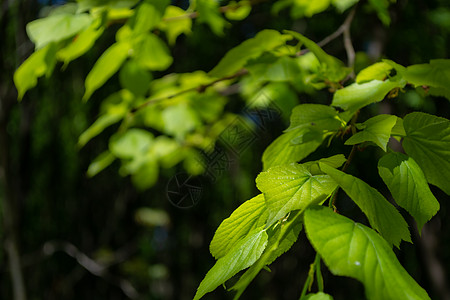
146,18
240,257
57,28
238,11
292,187
376,129
334,161
84,5
408,186
208,11
80,44
152,53
316,116
283,151
378,71
236,58
435,74
281,240
40,63
132,143
382,215
354,250
343,5
427,140
318,296
99,163
356,96
175,26
106,66
250,215
179,120
146,175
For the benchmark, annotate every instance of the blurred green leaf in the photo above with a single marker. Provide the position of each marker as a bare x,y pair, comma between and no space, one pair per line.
135,78
152,53
175,25
57,28
100,163
40,63
238,10
208,11
236,58
106,66
134,142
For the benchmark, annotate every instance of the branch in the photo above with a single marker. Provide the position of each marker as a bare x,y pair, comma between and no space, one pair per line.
343,29
200,89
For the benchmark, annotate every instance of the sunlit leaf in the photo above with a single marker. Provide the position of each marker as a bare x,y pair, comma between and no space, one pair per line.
106,66
377,130
292,187
241,256
209,13
56,28
236,58
152,53
427,140
356,96
250,215
354,250
40,63
174,25
378,71
132,143
99,163
281,240
408,186
238,11
382,215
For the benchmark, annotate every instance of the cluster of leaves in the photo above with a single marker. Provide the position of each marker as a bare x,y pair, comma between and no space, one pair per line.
165,121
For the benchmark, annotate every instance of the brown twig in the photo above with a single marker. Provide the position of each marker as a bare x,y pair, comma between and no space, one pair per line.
343,29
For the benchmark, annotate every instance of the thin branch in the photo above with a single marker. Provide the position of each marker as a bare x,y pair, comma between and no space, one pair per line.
200,89
345,27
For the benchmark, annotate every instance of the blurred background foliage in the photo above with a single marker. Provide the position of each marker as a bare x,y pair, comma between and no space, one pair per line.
101,238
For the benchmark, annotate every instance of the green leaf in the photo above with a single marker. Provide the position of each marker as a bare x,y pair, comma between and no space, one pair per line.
106,66
381,7
318,296
40,63
333,68
238,11
334,161
343,5
175,26
152,53
250,215
292,187
378,71
408,186
80,44
315,116
240,257
435,74
283,151
135,78
99,163
356,96
281,240
382,215
427,140
146,175
146,18
398,130
179,120
56,28
354,250
132,143
84,5
236,58
376,129
208,11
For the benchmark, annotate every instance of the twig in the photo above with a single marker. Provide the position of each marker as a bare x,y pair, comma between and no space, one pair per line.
200,89
343,29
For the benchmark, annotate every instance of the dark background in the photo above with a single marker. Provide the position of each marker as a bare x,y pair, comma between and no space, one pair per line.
79,238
